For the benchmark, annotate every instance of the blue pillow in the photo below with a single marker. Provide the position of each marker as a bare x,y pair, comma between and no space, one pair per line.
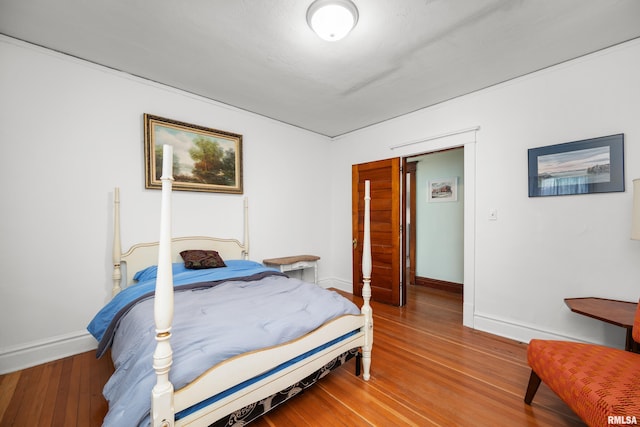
151,272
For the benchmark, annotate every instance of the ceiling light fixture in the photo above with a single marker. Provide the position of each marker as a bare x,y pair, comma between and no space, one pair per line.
332,20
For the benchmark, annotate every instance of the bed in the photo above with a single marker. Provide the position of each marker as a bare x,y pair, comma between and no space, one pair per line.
201,346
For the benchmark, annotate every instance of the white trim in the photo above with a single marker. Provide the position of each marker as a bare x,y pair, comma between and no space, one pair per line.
469,255
337,283
525,333
431,138
42,351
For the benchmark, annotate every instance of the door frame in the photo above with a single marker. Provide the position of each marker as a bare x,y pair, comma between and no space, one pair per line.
467,139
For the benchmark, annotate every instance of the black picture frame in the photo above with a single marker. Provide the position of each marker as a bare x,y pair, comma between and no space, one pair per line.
587,166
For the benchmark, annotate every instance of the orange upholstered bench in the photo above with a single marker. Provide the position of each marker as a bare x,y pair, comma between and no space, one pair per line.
600,384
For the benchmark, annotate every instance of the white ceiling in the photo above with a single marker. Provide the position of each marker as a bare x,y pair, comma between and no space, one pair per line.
260,55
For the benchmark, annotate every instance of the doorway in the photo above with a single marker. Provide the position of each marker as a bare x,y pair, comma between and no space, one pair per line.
435,220
466,139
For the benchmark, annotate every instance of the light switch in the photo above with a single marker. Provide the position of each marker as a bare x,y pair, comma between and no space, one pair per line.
493,214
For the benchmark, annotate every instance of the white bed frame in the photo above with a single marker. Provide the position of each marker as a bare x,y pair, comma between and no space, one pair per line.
165,402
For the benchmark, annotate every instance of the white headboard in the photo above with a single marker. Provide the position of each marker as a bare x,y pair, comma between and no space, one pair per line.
143,255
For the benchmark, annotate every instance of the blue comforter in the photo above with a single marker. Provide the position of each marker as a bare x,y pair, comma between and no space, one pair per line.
219,313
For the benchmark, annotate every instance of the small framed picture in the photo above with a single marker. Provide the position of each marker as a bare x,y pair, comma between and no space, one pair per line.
442,190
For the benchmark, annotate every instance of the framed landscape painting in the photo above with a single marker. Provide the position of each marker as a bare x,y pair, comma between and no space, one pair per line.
204,159
581,167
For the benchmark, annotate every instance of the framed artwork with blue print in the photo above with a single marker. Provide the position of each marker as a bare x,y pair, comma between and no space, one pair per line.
593,165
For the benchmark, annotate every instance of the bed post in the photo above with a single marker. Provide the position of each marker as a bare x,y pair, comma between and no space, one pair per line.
366,289
117,246
246,228
162,393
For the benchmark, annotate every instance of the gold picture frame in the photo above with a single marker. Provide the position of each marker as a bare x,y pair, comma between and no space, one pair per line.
204,159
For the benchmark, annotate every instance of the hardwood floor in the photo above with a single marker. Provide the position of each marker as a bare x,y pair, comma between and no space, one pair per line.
427,370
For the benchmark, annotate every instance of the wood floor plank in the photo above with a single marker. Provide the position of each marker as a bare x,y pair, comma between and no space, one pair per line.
428,370
320,408
373,404
49,403
37,394
84,393
63,400
100,372
8,384
18,408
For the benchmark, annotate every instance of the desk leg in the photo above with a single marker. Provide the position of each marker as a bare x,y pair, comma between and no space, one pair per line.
630,344
315,273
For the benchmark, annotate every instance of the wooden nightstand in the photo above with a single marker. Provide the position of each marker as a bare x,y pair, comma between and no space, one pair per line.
296,262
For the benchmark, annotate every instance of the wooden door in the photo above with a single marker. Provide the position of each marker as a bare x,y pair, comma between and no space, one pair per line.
386,239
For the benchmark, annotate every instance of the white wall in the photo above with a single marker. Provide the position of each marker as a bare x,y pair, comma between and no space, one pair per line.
72,131
540,250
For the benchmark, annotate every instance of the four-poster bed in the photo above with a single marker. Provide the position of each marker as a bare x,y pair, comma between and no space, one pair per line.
270,358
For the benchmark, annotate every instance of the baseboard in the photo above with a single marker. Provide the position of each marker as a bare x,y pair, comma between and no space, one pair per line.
339,284
38,352
514,331
443,285
611,336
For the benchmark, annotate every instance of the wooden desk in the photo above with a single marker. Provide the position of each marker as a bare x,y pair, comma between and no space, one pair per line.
619,313
296,262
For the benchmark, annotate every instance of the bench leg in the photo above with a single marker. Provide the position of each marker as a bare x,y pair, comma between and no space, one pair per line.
532,388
